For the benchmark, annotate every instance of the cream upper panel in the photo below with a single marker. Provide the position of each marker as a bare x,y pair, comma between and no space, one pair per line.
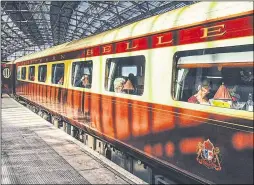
46,52
184,16
198,13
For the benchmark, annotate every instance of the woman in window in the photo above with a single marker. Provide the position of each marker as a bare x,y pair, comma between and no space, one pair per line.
119,84
84,82
200,96
61,81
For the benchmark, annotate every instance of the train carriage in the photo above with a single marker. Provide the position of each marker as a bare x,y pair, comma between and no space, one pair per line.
174,90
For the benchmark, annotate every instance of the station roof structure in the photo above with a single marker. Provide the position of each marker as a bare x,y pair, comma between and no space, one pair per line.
30,26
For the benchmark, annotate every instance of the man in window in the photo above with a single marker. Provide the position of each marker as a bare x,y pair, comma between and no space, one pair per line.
84,81
61,81
200,96
32,77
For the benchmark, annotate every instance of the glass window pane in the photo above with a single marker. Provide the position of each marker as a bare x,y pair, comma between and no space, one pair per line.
23,73
57,74
219,83
31,73
125,75
19,73
42,73
82,74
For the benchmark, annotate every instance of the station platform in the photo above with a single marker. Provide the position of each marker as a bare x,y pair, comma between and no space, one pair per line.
35,152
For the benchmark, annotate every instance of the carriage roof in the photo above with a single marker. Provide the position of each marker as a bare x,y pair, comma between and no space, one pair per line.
177,18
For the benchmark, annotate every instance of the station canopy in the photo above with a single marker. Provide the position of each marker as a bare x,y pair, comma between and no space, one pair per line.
30,26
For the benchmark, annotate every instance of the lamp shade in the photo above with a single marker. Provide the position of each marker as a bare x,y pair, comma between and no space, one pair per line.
128,86
222,93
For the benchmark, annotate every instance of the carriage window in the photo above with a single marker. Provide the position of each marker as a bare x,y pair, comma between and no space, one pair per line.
125,75
42,73
82,74
23,73
19,73
31,73
57,74
222,80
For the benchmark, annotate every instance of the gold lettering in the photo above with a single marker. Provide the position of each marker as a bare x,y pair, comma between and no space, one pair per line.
213,31
54,57
89,52
162,41
62,56
128,46
107,49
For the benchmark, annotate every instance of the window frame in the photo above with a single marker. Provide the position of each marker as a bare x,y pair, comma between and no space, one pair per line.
72,68
29,67
139,71
53,72
39,72
25,73
205,51
19,71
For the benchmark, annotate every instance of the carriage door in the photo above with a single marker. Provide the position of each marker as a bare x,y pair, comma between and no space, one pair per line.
8,78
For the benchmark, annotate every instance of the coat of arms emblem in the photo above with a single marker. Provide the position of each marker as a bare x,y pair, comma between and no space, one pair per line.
208,155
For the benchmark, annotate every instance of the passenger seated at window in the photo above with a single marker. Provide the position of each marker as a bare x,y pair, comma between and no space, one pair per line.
32,78
200,96
61,81
131,77
84,81
231,78
119,84
232,91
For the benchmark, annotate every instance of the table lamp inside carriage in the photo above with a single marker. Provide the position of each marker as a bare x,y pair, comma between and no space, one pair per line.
128,87
222,98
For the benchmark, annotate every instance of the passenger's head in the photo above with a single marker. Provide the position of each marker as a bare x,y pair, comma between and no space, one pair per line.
119,84
204,88
230,76
61,80
131,76
85,79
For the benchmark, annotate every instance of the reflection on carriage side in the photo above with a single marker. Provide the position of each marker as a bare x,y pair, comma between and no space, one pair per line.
132,91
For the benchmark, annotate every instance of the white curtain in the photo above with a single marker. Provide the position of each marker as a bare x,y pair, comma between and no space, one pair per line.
76,75
54,75
179,82
111,74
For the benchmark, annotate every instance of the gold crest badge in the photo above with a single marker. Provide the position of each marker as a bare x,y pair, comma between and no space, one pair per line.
208,155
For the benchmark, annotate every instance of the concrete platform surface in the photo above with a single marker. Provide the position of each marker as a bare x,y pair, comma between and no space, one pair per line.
35,152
